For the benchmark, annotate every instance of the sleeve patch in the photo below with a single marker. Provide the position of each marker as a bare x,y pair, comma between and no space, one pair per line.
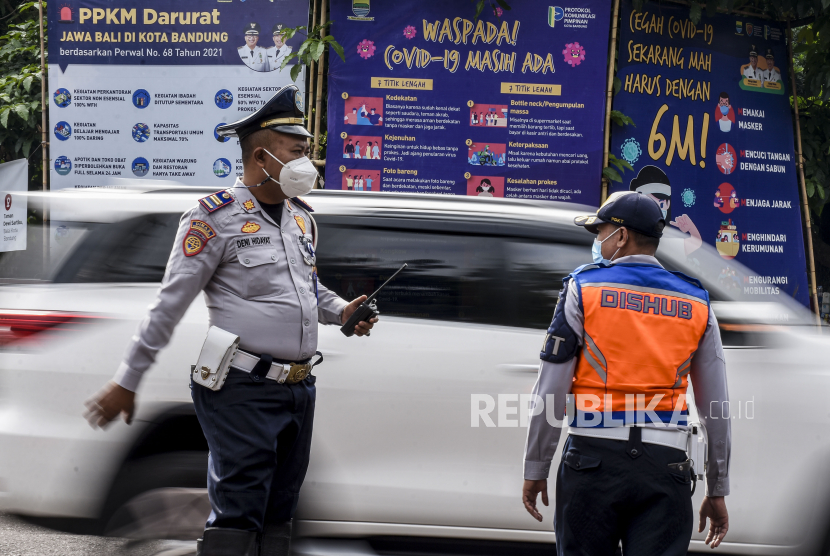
216,200
560,343
197,237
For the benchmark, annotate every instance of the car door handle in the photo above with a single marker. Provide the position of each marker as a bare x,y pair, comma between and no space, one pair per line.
518,368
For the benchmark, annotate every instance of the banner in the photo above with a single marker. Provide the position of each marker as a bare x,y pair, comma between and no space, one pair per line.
138,90
713,142
14,179
432,100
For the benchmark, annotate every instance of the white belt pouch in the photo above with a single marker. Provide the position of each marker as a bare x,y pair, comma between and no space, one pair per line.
215,359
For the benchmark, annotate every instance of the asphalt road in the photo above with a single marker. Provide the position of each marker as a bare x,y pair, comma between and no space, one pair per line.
18,538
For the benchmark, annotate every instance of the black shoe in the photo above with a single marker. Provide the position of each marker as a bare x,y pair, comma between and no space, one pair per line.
218,541
276,539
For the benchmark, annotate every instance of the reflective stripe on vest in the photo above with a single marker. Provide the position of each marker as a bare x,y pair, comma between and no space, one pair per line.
642,327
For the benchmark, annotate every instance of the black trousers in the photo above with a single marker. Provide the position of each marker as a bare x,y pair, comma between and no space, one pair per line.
604,496
259,436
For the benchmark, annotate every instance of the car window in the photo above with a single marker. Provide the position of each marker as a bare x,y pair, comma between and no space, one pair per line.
36,264
471,278
134,250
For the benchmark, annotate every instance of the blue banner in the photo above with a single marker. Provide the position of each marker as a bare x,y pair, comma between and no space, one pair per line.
713,142
432,100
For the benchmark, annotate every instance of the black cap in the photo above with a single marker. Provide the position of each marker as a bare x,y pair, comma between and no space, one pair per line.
277,29
252,29
753,52
283,113
630,209
769,54
651,180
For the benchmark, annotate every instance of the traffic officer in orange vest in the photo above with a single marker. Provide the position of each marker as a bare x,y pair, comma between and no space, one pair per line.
626,337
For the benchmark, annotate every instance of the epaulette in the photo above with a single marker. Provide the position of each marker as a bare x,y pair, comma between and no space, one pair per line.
216,200
303,204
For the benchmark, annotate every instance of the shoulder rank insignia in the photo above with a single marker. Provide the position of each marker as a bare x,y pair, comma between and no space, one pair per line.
303,204
250,227
248,205
300,222
197,237
216,201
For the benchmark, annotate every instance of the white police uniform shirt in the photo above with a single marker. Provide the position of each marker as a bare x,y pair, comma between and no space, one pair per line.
756,73
255,59
772,75
708,377
276,55
257,277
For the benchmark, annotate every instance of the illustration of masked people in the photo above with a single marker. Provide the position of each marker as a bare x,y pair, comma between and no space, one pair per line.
368,184
350,183
473,118
771,74
724,114
368,150
253,56
362,116
348,152
752,71
357,150
277,53
374,119
485,188
652,181
376,152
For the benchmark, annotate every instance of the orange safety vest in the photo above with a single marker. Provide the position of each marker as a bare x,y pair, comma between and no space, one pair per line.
642,327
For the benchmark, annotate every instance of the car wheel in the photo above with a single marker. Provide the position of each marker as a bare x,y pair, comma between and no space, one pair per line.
162,496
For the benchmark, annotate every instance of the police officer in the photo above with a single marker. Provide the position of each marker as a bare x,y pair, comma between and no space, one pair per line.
752,71
277,53
771,73
251,250
626,337
252,55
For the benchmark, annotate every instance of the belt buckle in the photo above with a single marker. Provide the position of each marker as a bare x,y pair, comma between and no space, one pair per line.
298,372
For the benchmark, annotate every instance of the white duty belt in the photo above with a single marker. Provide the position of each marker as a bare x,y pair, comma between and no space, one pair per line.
672,438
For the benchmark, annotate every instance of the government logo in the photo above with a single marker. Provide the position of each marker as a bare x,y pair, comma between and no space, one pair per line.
555,13
360,9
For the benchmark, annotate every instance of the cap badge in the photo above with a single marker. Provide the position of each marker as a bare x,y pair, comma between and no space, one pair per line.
298,100
250,227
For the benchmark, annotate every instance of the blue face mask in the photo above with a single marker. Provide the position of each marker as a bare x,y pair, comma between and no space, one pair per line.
724,110
596,249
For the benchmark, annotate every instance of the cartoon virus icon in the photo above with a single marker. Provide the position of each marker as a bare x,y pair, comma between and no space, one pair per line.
574,53
366,49
498,12
688,197
409,32
631,150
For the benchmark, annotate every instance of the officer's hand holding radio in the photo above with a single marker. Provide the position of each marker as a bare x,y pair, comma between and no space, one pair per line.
362,328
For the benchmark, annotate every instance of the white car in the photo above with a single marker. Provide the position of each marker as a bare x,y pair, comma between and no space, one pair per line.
399,451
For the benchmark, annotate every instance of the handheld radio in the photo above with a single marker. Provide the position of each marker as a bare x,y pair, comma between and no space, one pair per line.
367,310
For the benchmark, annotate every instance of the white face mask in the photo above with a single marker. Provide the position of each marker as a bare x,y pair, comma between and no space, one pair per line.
296,178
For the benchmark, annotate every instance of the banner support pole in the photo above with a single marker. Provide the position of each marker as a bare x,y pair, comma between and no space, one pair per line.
44,144
311,71
612,50
804,204
318,104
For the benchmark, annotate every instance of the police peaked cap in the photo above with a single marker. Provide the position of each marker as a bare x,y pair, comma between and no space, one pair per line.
277,29
282,113
753,52
252,29
769,54
630,209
